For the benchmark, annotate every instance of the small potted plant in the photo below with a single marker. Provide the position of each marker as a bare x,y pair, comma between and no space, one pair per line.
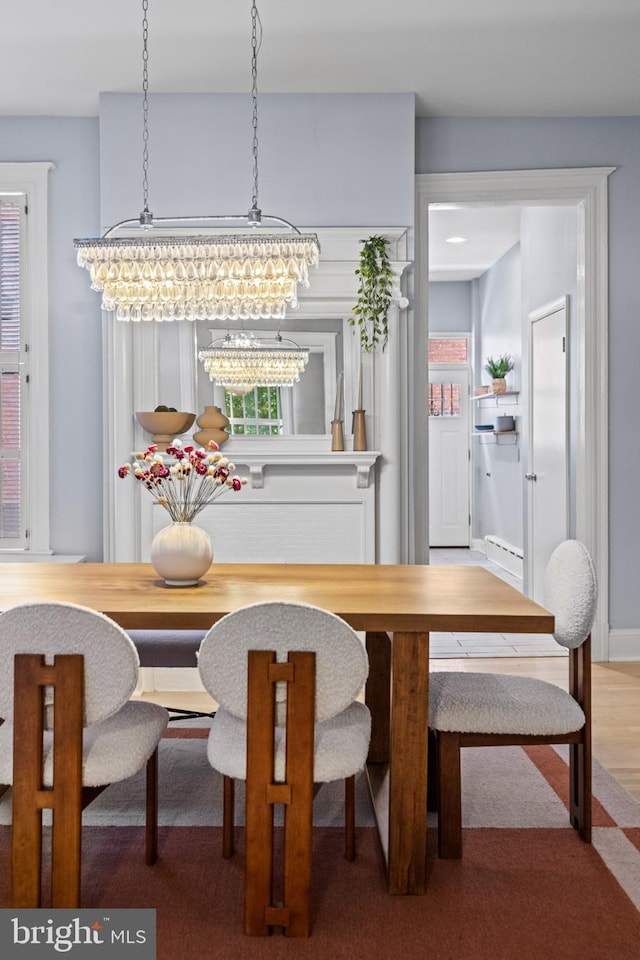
498,368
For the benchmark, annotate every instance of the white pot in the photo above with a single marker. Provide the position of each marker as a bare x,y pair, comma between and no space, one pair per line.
181,553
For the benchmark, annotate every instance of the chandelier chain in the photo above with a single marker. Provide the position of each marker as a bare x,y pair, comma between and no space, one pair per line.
236,276
256,41
145,106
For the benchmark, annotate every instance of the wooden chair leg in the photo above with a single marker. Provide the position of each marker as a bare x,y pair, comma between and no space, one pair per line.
228,816
151,831
432,772
580,789
350,818
449,796
580,753
298,817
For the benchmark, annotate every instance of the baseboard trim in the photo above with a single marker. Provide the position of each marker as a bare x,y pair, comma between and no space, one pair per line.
624,645
504,554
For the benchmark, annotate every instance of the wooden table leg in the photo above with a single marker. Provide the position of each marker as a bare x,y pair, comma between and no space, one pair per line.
408,763
378,694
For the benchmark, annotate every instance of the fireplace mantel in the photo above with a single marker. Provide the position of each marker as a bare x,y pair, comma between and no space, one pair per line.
304,502
259,455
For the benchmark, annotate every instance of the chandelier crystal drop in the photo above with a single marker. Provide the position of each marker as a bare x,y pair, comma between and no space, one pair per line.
198,278
240,359
247,275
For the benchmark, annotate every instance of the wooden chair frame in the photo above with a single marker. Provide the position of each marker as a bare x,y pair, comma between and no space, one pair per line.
296,793
449,744
30,797
66,797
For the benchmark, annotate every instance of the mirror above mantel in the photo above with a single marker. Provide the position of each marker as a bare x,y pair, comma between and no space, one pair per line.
147,364
301,410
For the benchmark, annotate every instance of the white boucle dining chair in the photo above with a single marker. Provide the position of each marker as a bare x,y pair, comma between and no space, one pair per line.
66,676
484,709
286,677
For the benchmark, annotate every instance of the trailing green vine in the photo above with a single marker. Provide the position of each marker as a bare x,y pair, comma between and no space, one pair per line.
374,293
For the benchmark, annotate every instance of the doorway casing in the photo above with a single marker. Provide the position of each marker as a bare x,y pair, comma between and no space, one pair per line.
586,188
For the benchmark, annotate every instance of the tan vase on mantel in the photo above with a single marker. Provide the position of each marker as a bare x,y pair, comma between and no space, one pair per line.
165,426
499,385
212,423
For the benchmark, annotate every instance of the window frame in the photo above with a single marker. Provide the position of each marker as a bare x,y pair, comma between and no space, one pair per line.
246,421
31,180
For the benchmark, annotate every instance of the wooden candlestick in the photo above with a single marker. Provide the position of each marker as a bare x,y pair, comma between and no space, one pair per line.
360,400
337,413
337,435
359,431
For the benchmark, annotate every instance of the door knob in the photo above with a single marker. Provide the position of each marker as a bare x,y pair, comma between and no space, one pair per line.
531,476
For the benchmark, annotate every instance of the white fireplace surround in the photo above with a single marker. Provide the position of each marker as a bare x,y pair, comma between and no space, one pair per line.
304,502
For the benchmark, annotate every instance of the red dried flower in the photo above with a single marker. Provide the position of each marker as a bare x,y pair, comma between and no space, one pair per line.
185,487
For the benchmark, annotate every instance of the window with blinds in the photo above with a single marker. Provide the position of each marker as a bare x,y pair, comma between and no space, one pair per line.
12,533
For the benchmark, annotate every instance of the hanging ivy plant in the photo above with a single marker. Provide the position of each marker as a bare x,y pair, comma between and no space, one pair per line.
374,293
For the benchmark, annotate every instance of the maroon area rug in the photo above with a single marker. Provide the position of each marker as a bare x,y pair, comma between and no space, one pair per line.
519,893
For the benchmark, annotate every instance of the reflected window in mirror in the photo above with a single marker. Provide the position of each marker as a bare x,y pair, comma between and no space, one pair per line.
257,413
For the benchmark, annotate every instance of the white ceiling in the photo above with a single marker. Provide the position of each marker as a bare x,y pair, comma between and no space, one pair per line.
488,231
460,57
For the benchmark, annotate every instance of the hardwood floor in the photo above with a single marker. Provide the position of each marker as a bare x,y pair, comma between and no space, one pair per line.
616,698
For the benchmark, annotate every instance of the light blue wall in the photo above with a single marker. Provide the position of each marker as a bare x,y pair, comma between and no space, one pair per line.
548,239
338,159
75,331
497,472
324,159
465,144
450,307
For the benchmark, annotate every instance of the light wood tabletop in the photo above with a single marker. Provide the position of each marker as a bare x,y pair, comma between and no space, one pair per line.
396,605
369,597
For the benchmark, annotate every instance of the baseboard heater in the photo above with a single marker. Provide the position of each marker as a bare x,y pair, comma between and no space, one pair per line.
504,554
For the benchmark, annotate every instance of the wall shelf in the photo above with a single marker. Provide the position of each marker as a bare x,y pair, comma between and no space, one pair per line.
506,396
498,436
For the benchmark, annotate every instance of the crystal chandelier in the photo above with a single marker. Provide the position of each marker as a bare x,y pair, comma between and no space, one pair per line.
236,276
241,361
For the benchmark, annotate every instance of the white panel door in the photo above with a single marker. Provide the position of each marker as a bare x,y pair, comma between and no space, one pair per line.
449,456
547,477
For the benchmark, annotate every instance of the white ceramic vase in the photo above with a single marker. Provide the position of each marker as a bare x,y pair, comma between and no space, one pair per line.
181,553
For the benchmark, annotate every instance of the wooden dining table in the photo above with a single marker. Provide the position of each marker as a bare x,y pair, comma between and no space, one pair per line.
397,606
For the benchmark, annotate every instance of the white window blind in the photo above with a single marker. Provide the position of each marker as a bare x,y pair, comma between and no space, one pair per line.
12,533
24,359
